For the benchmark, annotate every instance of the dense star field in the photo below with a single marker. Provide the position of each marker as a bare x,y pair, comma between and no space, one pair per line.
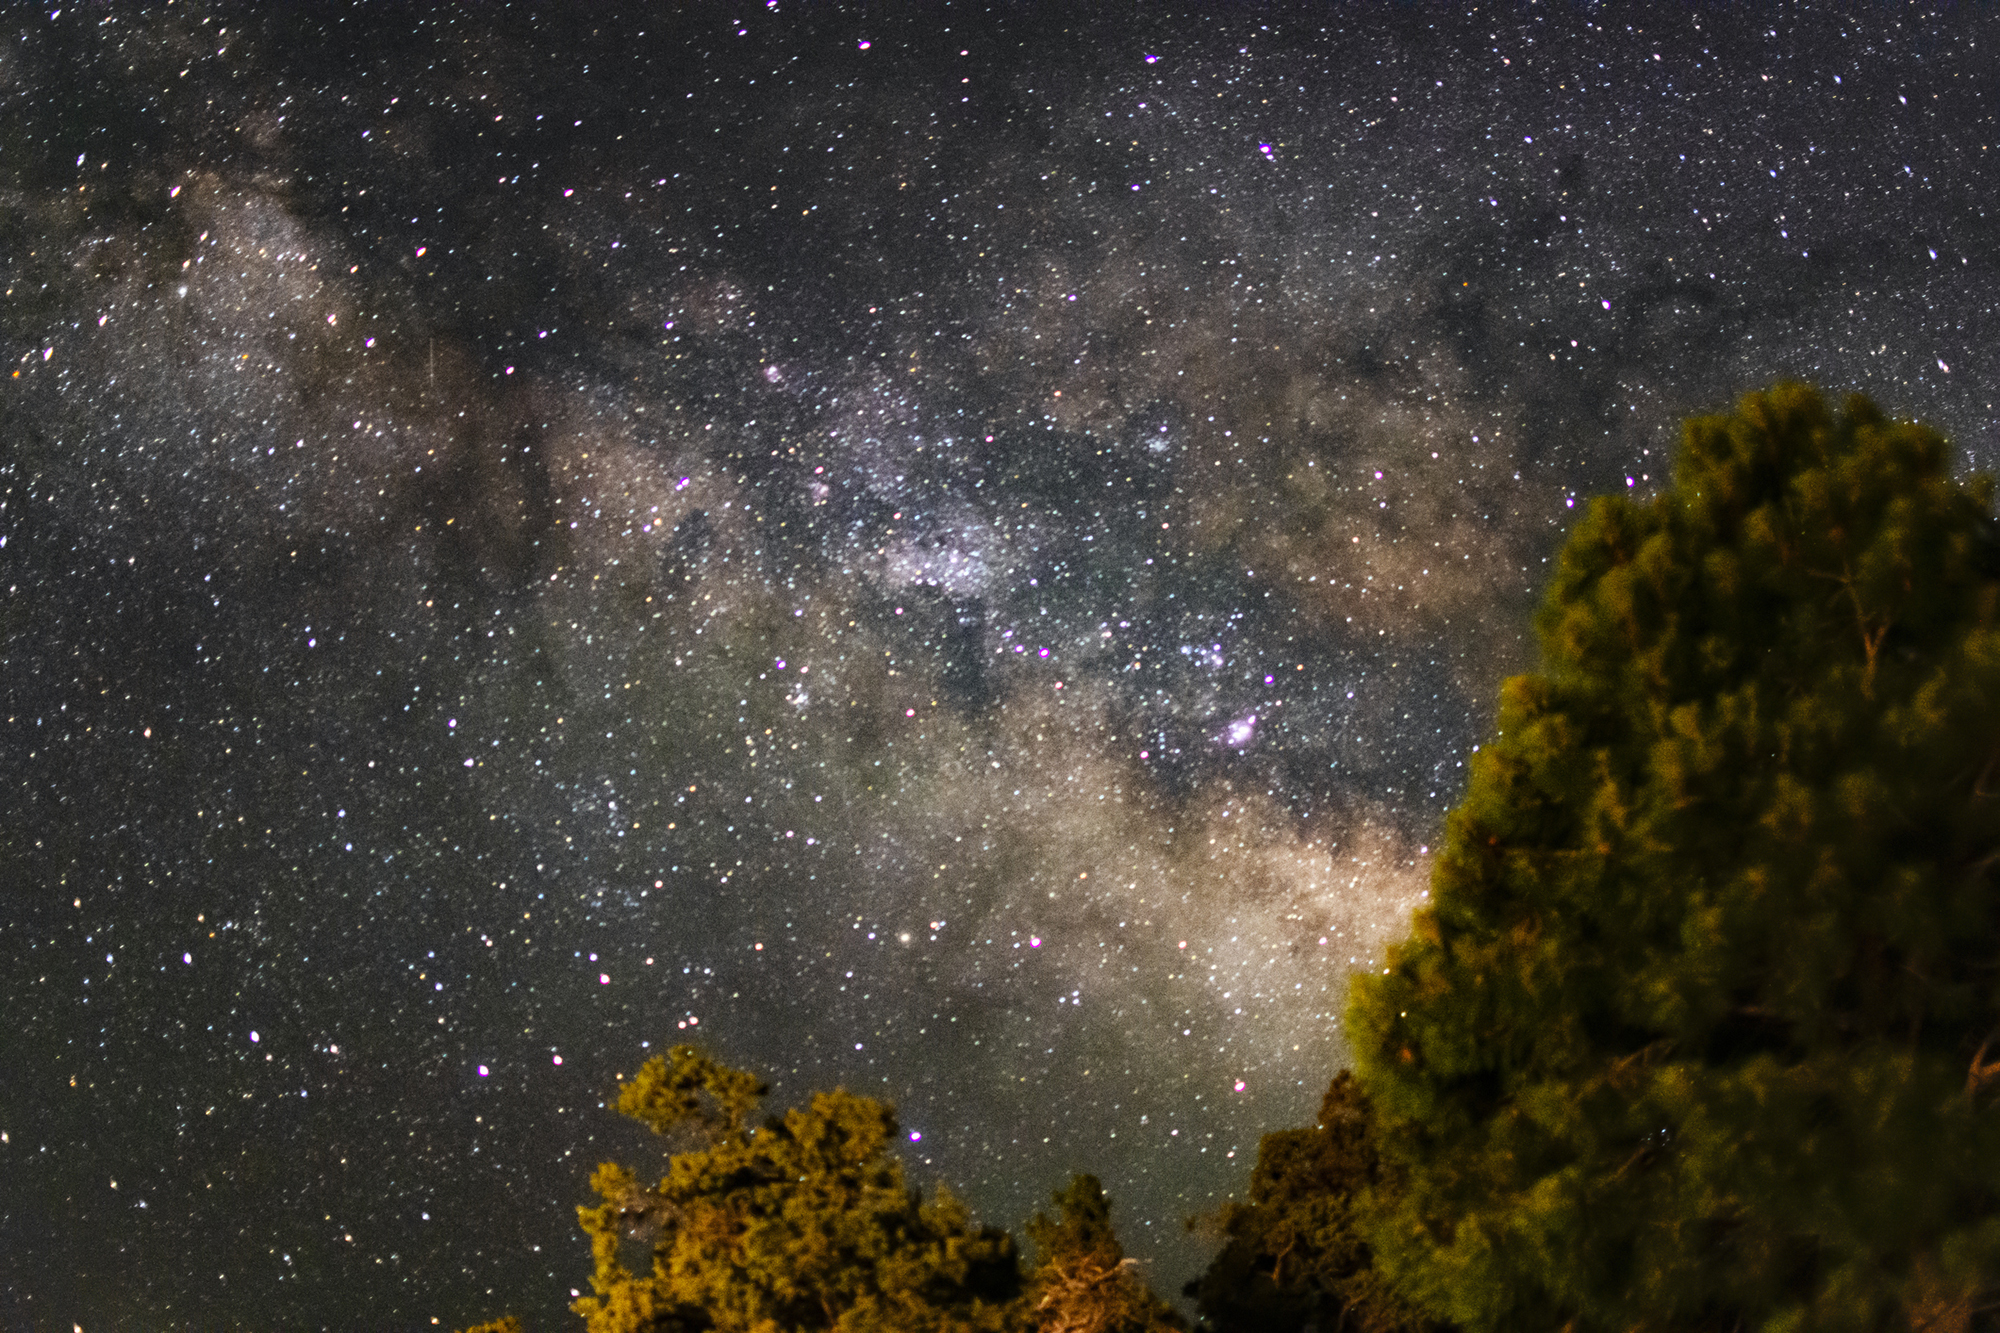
958,553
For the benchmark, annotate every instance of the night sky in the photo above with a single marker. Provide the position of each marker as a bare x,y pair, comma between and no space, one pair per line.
958,552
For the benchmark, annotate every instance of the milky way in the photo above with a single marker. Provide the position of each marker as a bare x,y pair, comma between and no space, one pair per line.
961,555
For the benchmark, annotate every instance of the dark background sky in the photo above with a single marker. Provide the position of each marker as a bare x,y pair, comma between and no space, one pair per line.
954,551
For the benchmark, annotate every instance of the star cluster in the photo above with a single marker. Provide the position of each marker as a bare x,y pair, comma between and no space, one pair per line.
962,554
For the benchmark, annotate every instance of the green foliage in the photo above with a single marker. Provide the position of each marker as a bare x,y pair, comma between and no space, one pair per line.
689,1089
1082,1282
800,1223
1695,1031
1293,1254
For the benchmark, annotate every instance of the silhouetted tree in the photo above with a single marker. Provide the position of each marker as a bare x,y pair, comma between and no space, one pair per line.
1082,1281
1293,1256
1699,1030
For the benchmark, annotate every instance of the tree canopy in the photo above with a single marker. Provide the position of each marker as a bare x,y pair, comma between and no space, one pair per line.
1699,1027
804,1222
1292,1253
1082,1281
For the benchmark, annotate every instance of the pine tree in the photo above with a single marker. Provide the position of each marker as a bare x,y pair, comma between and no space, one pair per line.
801,1223
1082,1282
1293,1256
1699,1030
